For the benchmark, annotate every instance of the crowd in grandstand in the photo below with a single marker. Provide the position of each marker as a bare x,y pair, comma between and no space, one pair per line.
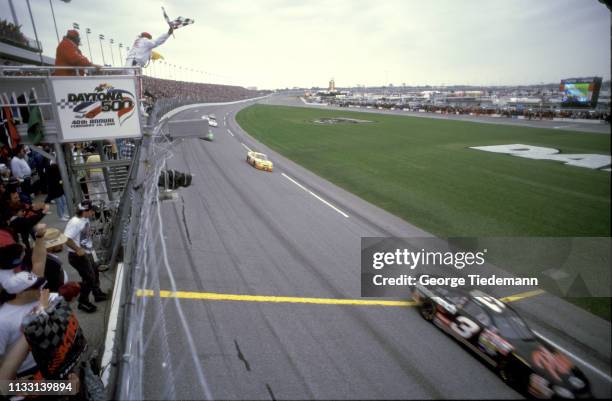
532,114
12,33
509,112
197,92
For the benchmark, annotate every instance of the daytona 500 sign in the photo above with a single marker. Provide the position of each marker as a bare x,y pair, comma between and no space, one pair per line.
98,107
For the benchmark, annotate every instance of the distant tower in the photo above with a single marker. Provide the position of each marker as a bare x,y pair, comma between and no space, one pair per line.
332,85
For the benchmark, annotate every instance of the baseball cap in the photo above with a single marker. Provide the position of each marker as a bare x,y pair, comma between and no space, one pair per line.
54,237
22,281
72,33
6,238
85,206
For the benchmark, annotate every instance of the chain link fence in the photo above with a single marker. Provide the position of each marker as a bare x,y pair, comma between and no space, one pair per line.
146,261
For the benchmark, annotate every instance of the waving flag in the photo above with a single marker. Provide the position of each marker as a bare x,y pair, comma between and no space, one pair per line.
181,21
156,56
177,22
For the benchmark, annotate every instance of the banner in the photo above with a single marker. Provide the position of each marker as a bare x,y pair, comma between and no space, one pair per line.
95,108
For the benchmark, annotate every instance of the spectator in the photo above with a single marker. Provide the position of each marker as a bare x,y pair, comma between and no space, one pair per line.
69,55
13,185
80,256
12,253
13,359
21,169
55,275
55,189
97,185
22,217
5,172
24,290
40,164
77,157
55,337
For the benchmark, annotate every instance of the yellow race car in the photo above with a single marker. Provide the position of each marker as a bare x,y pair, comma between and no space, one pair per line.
259,161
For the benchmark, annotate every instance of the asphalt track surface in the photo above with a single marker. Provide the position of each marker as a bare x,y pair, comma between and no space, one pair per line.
238,230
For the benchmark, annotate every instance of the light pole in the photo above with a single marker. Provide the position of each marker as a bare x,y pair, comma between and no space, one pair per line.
54,22
101,37
110,45
38,44
53,15
13,13
120,47
87,32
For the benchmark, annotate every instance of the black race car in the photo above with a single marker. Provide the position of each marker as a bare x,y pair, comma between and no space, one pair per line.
498,335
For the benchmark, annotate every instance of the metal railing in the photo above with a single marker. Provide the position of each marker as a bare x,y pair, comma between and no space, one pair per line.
19,70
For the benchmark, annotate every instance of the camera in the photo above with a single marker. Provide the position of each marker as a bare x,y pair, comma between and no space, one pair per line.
172,179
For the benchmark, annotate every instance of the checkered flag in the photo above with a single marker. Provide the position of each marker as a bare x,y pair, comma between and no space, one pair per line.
177,22
181,21
56,339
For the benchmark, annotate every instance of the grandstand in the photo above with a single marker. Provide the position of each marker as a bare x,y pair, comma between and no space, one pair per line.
196,92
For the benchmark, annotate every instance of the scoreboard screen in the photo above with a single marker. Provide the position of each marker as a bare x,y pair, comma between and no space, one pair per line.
580,92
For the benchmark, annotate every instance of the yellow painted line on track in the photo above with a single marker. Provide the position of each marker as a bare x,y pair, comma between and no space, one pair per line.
522,295
212,296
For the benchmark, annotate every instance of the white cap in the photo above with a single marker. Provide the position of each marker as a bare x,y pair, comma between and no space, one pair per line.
21,281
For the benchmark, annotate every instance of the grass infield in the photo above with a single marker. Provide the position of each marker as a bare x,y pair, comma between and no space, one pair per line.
423,171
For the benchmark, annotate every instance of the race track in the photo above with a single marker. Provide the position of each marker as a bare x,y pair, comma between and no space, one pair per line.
241,231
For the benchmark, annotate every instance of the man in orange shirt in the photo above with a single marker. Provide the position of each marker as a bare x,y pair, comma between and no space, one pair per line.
69,55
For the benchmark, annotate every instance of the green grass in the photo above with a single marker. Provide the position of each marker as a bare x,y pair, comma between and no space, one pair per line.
597,305
423,171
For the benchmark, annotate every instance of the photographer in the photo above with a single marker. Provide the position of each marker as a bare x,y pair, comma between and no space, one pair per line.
80,249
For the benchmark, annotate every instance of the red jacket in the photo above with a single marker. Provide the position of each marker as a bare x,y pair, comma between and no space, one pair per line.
69,55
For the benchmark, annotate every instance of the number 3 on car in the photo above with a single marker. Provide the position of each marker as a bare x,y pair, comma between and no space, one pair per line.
464,327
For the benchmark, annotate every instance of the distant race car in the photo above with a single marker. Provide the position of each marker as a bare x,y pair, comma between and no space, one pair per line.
499,336
259,161
212,122
209,136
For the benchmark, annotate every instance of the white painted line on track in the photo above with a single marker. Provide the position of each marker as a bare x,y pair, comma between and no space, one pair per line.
185,121
246,147
579,360
315,195
230,132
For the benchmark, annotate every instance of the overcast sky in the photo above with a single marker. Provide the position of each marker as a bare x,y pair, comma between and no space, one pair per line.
286,43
